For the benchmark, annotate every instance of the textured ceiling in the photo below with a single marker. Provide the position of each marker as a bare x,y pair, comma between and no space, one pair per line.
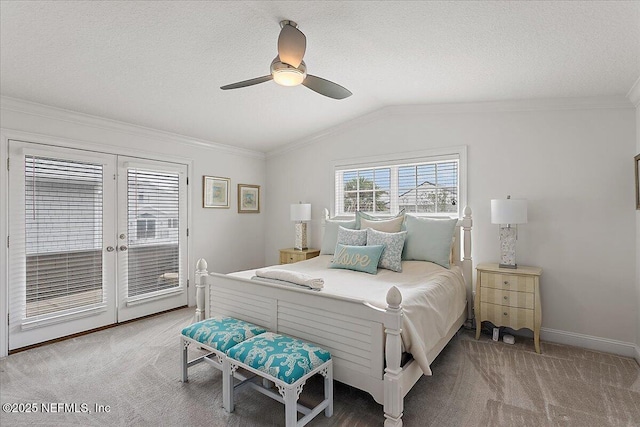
160,64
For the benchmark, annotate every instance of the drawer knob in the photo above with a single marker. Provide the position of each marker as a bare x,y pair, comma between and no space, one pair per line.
505,313
506,282
505,297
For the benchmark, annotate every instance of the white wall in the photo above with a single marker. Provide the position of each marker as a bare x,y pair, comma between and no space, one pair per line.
569,158
228,240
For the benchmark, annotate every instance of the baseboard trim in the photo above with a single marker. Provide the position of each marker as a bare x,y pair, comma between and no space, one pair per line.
590,342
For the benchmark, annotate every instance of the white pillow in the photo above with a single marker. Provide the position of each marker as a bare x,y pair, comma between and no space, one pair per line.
392,225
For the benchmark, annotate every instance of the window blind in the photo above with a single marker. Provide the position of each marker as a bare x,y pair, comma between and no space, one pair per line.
427,187
63,219
153,207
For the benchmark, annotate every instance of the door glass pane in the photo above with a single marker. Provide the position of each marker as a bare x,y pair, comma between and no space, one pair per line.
153,207
63,218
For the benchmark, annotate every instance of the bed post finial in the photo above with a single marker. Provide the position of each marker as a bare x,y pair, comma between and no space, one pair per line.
394,297
201,273
201,265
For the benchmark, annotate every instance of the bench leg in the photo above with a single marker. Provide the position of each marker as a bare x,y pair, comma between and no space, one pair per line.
227,385
184,344
291,407
328,390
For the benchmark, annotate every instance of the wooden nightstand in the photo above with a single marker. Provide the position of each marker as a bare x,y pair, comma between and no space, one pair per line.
509,297
290,255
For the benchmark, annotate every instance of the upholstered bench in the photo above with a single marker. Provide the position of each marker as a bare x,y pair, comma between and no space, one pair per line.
285,361
217,335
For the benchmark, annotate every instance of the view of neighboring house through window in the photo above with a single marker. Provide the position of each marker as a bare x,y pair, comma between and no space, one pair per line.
153,240
425,187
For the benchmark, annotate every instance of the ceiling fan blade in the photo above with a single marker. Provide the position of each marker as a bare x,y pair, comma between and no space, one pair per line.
246,83
291,45
326,88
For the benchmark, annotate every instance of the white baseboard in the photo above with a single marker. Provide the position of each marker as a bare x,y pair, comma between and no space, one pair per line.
605,345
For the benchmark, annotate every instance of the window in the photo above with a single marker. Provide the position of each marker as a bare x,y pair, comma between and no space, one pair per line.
146,228
429,185
63,234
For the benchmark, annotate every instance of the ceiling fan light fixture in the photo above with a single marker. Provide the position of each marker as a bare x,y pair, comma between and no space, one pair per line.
291,77
287,75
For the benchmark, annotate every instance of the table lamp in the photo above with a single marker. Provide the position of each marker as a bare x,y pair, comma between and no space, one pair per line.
300,213
508,212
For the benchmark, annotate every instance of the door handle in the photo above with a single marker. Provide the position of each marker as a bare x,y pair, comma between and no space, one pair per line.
122,248
110,248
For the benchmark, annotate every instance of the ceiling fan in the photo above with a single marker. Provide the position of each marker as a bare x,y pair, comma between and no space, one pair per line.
288,68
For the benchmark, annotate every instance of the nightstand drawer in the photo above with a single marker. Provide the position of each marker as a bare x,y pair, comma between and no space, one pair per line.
512,317
509,282
290,258
508,298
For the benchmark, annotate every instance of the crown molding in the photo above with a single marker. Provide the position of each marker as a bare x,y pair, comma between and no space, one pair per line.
60,114
541,104
634,93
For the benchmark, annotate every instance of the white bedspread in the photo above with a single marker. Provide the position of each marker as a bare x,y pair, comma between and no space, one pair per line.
432,296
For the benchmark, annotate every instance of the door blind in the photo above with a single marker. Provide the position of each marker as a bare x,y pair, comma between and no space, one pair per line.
63,235
153,217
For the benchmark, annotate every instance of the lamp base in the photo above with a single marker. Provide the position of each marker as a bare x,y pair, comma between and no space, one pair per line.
508,265
301,236
508,247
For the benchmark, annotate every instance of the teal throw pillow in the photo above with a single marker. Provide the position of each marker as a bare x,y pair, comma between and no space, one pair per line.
357,258
429,239
330,237
391,258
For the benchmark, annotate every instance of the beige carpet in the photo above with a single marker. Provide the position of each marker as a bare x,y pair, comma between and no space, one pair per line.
134,368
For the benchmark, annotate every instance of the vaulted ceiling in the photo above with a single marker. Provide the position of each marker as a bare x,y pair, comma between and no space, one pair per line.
161,64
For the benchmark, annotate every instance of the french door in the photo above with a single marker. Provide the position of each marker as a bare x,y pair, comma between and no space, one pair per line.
95,239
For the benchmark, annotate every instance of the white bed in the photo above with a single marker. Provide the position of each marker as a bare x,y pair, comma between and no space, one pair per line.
366,321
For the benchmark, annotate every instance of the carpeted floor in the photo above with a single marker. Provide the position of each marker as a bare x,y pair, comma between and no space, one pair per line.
134,369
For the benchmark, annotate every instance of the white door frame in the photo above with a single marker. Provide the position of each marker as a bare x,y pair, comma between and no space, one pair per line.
4,256
28,331
5,135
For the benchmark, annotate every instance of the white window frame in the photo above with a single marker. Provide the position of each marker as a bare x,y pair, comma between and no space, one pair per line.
398,159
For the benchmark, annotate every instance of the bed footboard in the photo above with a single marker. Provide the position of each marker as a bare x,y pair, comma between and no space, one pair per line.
352,330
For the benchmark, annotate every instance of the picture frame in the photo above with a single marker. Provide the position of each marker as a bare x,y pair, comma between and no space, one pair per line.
248,198
215,192
637,162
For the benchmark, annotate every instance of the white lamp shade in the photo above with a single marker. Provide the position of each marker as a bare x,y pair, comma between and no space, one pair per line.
508,211
301,212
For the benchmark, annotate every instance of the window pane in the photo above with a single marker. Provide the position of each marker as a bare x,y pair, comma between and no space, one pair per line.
154,252
429,188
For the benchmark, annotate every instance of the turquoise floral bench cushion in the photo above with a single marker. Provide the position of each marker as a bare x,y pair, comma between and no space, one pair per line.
222,333
285,358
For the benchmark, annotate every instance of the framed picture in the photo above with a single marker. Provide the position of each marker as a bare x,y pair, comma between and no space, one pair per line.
637,159
248,198
215,192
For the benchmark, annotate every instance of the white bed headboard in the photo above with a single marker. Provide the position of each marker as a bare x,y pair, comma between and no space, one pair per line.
462,243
